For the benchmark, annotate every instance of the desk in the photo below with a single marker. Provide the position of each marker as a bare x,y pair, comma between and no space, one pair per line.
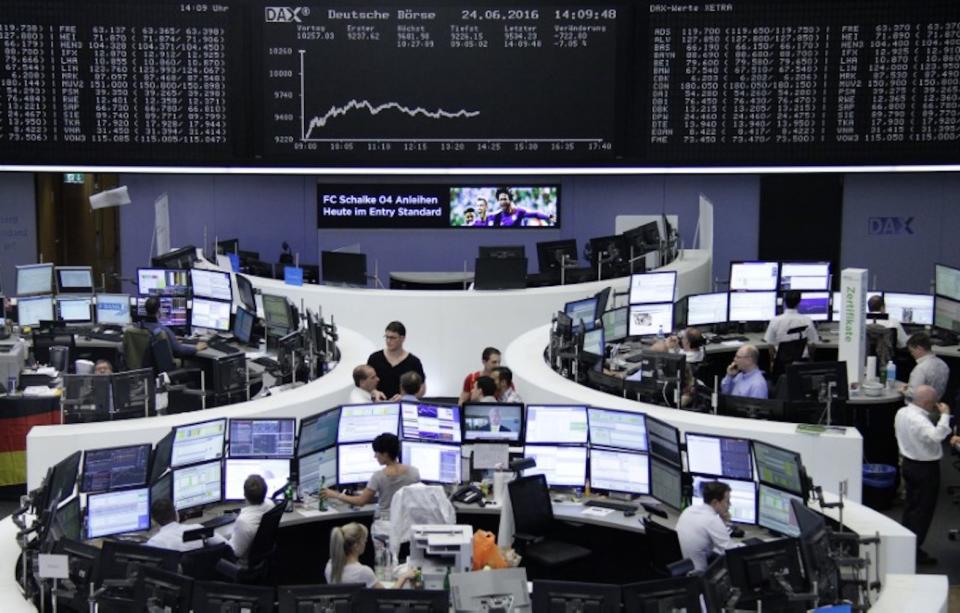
430,280
912,593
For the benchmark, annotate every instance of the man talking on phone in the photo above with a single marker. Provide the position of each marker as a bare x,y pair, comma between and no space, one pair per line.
744,377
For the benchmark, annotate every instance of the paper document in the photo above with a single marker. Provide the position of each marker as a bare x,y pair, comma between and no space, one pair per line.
488,456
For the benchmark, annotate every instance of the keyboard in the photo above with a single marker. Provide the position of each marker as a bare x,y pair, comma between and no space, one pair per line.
724,339
106,334
219,520
611,504
633,359
268,363
223,347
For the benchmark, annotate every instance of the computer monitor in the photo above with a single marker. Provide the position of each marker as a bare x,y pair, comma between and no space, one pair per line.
582,312
561,466
75,309
947,281
619,471
197,485
113,309
34,279
752,408
492,590
275,472
664,440
115,468
502,252
615,324
648,319
805,276
754,276
74,279
666,483
759,571
172,311
707,309
355,463
246,293
184,257
815,305
753,306
345,268
212,284
200,442
215,596
316,470
611,254
492,422
674,594
619,429
118,512
365,422
66,521
946,314
165,590
210,315
743,497
163,282
134,392
551,596
719,456
594,346
430,422
556,424
781,468
318,431
551,255
329,598
31,311
276,315
644,238
774,511
649,287
437,463
162,488
656,376
835,305
909,308
419,601
63,479
809,382
262,437
603,300
499,273
243,322
818,564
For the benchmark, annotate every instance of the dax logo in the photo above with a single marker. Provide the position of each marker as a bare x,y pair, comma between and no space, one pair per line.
889,225
285,14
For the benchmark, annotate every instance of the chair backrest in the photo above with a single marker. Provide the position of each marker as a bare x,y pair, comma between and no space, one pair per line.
264,542
881,342
788,352
530,501
201,564
162,353
44,340
417,504
136,346
663,546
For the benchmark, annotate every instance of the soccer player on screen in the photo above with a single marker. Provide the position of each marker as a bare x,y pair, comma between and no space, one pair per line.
469,217
481,213
512,215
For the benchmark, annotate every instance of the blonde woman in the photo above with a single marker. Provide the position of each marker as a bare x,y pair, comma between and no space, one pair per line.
346,545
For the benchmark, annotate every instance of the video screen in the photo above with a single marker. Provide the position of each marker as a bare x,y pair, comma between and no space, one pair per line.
946,314
505,207
492,422
115,468
706,309
436,463
113,309
355,463
805,276
198,485
775,512
430,422
262,438
34,279
200,442
652,287
365,422
647,319
74,309
317,469
275,472
778,467
754,276
594,343
666,483
719,455
835,308
118,512
621,429
582,312
815,305
562,466
753,306
75,279
172,312
318,432
163,282
743,497
619,471
947,281
615,324
212,284
210,315
909,308
556,424
31,311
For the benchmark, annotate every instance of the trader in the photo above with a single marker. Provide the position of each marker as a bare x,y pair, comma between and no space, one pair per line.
365,382
490,358
393,360
506,392
103,367
701,527
930,369
484,390
877,305
779,327
744,377
921,447
410,383
170,535
248,520
150,322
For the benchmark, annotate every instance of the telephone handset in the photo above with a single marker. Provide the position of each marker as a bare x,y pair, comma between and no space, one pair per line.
468,494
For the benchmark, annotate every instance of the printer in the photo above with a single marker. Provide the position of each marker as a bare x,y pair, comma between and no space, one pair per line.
435,548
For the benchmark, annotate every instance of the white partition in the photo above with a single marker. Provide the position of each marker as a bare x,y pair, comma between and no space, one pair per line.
829,458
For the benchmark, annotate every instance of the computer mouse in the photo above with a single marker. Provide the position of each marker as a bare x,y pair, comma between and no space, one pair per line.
629,513
736,533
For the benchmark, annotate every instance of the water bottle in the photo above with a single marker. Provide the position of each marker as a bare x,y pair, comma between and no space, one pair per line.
660,333
322,506
288,498
891,371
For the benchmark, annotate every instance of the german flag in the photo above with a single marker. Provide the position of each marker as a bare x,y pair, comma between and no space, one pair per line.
17,415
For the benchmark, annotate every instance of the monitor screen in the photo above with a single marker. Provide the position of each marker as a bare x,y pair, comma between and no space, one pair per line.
754,276
318,432
743,497
706,309
594,342
213,284
74,279
68,521
162,488
947,281
805,276
262,438
621,429
172,312
835,306
74,309
115,468
719,456
31,311
492,422
582,312
615,324
619,471
556,424
365,422
210,314
163,282
946,314
195,486
909,308
316,470
652,287
485,206
430,422
551,255
275,472
355,463
243,325
113,309
562,466
34,279
118,512
161,456
778,467
753,306
647,319
664,440
344,268
666,483
436,463
815,305
276,314
245,292
198,442
775,511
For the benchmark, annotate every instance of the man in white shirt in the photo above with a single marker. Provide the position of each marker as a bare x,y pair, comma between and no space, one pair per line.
170,535
930,369
777,329
365,382
248,521
876,305
701,527
921,447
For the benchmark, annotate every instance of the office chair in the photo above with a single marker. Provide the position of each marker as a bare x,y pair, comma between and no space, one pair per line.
663,547
534,521
414,505
136,348
186,389
262,552
201,564
882,343
45,340
789,352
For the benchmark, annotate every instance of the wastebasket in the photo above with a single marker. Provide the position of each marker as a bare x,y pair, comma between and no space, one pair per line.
879,485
